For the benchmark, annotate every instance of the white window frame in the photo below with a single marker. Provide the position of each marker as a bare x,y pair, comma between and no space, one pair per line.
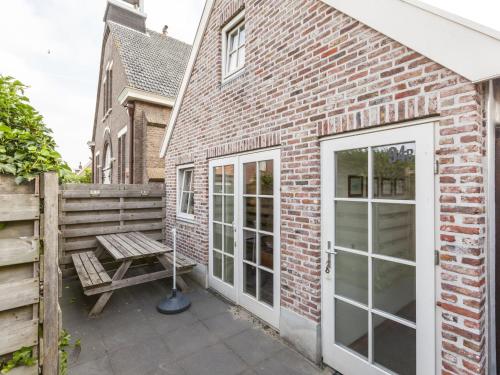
227,30
180,183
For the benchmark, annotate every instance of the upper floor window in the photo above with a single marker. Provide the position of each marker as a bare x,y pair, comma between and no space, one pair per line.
122,134
233,46
185,189
108,88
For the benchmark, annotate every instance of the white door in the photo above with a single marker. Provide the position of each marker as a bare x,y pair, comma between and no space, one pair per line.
244,231
377,215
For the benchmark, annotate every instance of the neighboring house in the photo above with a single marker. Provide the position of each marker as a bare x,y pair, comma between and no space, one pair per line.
139,77
327,165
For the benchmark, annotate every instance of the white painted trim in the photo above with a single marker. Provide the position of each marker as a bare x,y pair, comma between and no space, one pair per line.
236,21
122,131
129,93
187,75
470,50
181,215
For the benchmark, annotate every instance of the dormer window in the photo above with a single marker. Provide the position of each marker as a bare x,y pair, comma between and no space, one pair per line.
233,47
107,89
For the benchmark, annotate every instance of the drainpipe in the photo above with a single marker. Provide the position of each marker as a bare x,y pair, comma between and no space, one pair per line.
490,219
130,111
91,145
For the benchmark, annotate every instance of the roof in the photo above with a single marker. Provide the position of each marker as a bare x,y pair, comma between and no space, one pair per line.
467,48
153,62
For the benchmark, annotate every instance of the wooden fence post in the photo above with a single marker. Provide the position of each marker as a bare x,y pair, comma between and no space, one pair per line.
51,276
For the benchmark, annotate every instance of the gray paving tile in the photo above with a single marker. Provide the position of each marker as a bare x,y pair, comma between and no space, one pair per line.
140,358
96,367
189,340
225,325
215,359
168,368
164,324
92,346
286,362
124,329
207,307
254,346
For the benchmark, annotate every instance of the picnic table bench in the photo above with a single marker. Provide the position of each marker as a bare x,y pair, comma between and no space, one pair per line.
125,248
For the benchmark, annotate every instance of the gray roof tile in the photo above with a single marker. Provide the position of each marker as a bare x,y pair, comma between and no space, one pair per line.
153,62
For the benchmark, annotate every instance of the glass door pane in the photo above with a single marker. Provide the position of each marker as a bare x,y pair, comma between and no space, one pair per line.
258,230
223,223
374,247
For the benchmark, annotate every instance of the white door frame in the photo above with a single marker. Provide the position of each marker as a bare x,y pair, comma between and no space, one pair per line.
229,291
235,293
423,135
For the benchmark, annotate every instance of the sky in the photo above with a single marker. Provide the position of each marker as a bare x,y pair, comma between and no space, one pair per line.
54,47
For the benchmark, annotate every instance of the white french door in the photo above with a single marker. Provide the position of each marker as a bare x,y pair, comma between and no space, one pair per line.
377,215
244,238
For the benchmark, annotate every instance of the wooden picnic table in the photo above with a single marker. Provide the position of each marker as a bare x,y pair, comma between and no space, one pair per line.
124,248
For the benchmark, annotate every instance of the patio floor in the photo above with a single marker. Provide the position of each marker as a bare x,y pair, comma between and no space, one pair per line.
212,337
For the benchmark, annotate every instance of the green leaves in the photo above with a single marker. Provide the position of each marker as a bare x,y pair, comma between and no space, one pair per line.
27,148
23,357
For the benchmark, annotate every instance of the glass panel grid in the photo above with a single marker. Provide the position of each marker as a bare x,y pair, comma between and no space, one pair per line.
258,228
371,199
223,222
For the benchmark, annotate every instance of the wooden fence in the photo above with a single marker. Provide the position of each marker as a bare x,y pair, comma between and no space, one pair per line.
88,210
29,274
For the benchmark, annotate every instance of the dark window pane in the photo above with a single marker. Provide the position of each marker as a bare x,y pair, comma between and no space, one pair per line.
266,287
250,244
351,327
249,212
228,269
249,178
266,214
266,250
394,346
228,239
249,280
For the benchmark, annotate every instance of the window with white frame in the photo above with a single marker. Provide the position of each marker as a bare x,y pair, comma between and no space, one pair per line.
234,37
185,188
108,88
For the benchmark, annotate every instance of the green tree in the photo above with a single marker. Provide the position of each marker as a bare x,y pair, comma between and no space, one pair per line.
73,178
27,147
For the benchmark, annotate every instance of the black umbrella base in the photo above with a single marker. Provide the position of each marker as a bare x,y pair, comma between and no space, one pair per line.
175,304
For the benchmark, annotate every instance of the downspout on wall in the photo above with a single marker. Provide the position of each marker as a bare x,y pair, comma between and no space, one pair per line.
130,111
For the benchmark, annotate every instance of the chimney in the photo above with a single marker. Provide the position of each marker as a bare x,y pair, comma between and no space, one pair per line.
128,13
165,30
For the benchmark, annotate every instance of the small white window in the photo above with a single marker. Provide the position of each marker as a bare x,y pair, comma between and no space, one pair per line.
233,46
185,188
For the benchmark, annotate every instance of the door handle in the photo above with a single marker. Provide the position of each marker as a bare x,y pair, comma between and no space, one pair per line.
329,254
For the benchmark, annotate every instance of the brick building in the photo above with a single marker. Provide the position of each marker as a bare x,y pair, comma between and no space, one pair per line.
327,165
139,77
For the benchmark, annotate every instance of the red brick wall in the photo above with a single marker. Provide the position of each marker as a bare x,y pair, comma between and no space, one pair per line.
313,71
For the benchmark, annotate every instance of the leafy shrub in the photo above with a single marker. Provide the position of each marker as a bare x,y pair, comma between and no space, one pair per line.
73,178
26,144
